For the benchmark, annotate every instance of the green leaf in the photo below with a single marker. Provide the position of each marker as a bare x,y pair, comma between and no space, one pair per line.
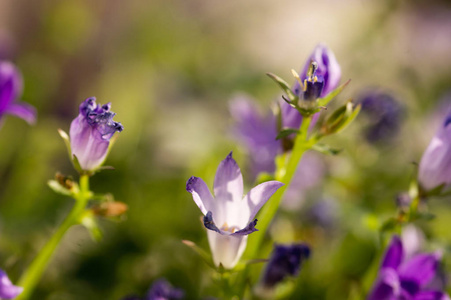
286,132
58,188
326,149
284,86
324,101
389,225
88,220
202,253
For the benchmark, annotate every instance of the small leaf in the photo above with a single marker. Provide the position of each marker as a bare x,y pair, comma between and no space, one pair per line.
88,220
58,188
203,254
324,101
284,86
286,132
326,149
389,225
424,216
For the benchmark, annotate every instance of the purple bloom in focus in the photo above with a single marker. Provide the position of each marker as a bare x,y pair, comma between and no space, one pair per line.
90,133
229,210
285,261
7,289
406,279
384,113
435,165
11,89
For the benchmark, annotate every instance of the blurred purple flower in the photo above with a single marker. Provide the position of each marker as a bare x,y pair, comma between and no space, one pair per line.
233,213
286,260
160,290
7,289
90,133
11,89
435,165
406,279
384,113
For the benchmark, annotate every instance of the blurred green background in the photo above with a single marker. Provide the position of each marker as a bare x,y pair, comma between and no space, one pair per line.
170,68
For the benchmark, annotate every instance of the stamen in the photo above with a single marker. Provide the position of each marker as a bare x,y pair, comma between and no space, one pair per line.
312,70
296,75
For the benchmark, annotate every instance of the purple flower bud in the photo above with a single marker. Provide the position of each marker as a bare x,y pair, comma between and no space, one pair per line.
10,90
90,133
7,289
285,261
162,290
435,165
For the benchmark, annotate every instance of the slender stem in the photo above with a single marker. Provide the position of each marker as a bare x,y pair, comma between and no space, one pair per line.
301,144
32,275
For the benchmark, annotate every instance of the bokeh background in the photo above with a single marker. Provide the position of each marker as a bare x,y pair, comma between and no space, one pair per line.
170,69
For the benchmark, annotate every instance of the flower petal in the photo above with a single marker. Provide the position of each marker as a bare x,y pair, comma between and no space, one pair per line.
22,110
10,84
431,295
226,249
421,268
201,194
256,198
387,286
7,289
394,255
228,184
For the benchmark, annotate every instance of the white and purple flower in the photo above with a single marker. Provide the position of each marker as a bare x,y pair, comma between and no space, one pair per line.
228,216
10,90
406,279
435,165
7,289
90,133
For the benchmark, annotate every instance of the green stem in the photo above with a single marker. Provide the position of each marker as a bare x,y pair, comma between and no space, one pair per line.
32,275
301,145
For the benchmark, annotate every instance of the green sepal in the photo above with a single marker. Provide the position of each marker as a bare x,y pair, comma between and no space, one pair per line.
284,86
66,140
286,132
201,252
59,189
329,97
326,149
77,166
340,118
89,221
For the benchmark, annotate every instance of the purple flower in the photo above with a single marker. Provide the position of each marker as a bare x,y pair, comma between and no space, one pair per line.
285,261
160,290
328,73
7,289
90,133
11,89
435,165
229,210
384,113
406,279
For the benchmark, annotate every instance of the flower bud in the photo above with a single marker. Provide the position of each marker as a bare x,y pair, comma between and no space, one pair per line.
90,134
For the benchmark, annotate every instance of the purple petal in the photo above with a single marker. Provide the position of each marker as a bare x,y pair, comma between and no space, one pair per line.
257,197
421,268
228,184
10,84
387,286
394,255
201,194
22,110
7,289
163,290
431,295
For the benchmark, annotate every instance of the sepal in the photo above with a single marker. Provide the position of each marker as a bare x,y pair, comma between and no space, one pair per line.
89,221
325,100
340,119
201,252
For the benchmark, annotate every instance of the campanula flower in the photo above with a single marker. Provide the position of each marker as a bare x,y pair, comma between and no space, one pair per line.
10,90
435,165
384,114
7,289
286,260
406,279
228,216
160,290
90,133
324,78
